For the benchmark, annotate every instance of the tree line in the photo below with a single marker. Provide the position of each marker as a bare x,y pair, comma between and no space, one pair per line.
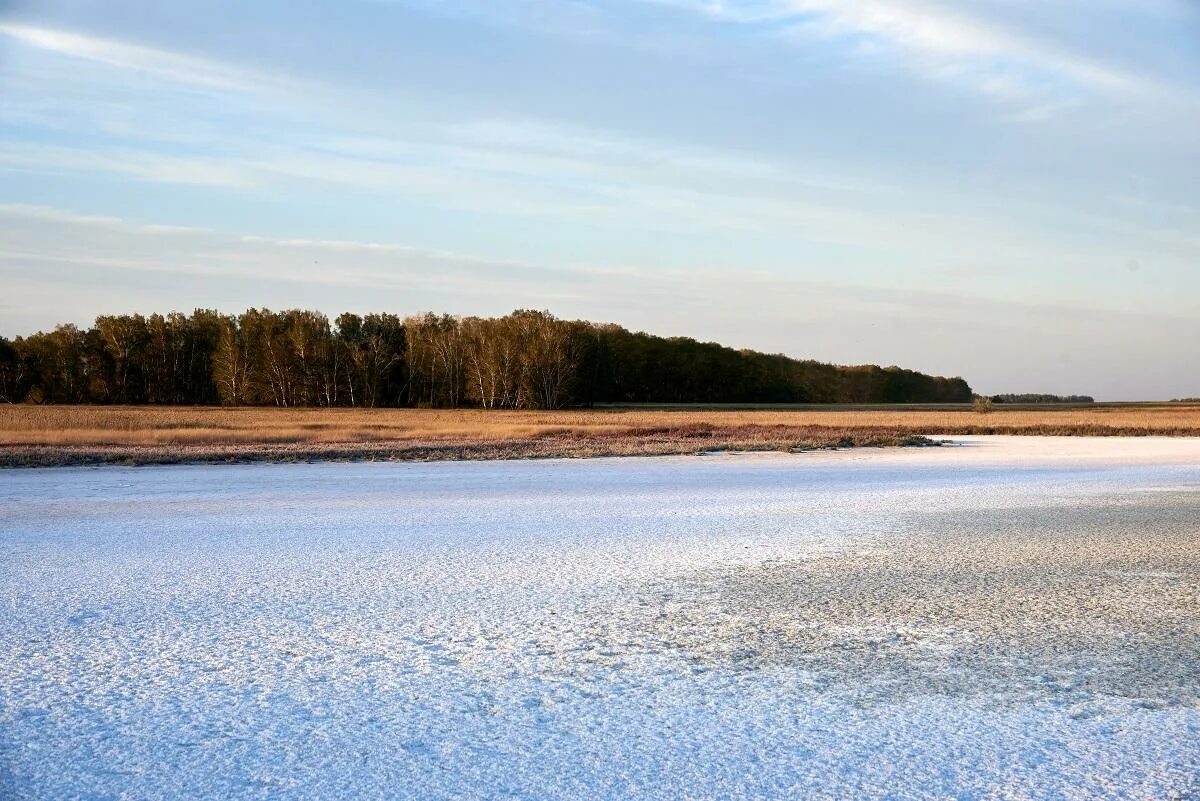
524,360
1037,397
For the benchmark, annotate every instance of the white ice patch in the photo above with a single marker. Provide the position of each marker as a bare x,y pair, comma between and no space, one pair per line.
1008,619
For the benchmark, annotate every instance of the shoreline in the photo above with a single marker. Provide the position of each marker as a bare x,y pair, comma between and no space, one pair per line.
555,445
50,436
559,444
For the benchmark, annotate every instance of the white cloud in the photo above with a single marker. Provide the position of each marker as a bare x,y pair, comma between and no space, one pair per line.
153,62
939,40
48,234
139,164
31,211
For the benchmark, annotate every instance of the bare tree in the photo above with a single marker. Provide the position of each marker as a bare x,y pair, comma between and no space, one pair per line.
230,365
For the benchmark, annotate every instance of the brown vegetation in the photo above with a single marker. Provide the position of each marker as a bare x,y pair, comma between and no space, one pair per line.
56,435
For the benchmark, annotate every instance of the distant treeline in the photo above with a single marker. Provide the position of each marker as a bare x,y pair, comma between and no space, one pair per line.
1033,397
527,359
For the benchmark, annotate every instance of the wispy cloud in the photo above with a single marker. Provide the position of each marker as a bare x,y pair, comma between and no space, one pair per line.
37,233
531,170
179,68
33,211
520,167
142,165
942,41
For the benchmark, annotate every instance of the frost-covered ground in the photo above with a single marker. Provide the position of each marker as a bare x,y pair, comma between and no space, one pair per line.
1014,618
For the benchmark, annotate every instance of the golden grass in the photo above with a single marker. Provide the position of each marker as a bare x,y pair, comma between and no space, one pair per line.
68,434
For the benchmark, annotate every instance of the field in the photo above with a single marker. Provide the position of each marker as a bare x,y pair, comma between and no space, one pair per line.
1011,617
60,435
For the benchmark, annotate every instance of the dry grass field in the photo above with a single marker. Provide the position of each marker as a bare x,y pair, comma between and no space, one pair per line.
56,435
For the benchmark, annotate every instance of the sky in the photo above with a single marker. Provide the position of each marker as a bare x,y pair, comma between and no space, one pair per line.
1006,191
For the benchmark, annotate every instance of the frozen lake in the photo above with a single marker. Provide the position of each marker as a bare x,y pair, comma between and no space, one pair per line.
1012,618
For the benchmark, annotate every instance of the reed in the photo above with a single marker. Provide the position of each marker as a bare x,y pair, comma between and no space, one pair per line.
47,435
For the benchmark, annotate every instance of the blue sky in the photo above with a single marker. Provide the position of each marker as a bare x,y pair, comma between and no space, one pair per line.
1009,191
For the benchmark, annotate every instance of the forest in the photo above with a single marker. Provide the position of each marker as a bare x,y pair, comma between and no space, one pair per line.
524,360
1041,398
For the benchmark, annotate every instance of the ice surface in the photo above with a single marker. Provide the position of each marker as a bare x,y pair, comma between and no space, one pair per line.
1012,618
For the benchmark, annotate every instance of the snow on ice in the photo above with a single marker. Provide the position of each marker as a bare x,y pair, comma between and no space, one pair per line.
1005,618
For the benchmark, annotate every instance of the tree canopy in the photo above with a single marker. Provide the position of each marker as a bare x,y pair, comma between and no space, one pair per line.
1040,397
524,360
